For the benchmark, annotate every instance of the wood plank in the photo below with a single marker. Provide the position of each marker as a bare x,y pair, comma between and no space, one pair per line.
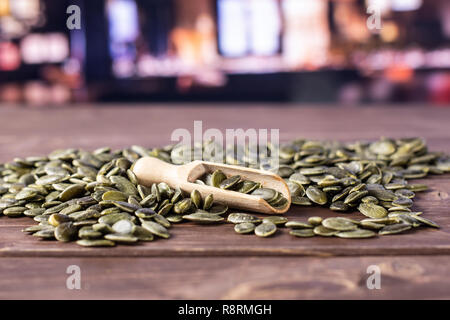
40,131
408,277
189,239
27,131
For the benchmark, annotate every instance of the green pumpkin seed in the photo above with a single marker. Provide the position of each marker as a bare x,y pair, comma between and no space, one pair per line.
203,217
142,234
218,209
426,222
96,243
298,225
121,238
315,221
265,229
114,196
208,203
14,211
145,213
217,177
113,218
372,210
71,192
243,217
265,194
247,186
174,218
124,185
302,233
46,233
340,224
162,221
182,206
156,229
356,234
196,198
123,226
88,232
66,232
125,206
316,195
56,219
339,206
371,225
103,228
244,227
301,201
277,220
324,232
230,182
394,228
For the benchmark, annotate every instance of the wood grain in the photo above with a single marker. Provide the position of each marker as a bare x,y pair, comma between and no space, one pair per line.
214,261
408,277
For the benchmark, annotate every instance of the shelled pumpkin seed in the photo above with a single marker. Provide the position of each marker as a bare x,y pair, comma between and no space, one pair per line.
95,198
235,183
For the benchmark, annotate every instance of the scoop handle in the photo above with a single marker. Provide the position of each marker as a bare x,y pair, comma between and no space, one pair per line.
150,170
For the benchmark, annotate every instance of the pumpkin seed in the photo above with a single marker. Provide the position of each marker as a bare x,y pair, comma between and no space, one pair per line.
121,238
123,226
244,227
298,225
356,234
277,220
56,219
324,231
315,221
156,229
372,210
243,217
203,217
114,196
316,195
340,224
142,234
97,189
96,243
303,233
196,198
394,228
66,232
230,182
426,222
71,192
265,229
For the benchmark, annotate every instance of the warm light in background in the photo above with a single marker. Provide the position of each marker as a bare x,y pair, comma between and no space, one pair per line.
40,48
248,27
25,9
9,56
4,8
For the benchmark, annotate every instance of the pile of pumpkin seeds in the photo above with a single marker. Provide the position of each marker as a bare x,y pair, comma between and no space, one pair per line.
234,183
94,198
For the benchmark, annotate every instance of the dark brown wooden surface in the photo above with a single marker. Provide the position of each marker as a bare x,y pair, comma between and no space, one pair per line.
218,262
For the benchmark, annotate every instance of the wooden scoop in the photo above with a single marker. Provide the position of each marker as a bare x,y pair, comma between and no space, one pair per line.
151,170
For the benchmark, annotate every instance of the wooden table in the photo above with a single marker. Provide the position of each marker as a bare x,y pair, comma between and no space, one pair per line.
213,262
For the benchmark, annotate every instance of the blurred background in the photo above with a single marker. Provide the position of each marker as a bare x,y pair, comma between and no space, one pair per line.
225,50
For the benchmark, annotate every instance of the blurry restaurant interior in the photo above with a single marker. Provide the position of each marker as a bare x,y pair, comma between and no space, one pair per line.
302,51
